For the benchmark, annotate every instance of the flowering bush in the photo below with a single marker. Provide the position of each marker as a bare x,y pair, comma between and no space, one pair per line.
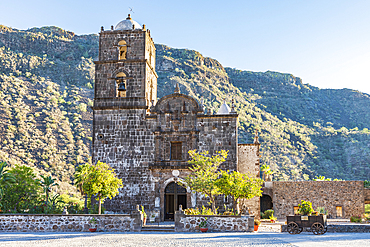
305,208
367,217
197,211
356,219
192,211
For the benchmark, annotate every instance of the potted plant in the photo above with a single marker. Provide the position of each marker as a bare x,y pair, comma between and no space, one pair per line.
152,218
305,208
321,210
144,214
273,219
267,214
93,223
256,224
203,225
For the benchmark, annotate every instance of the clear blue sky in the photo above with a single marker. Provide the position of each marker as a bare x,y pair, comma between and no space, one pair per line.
326,43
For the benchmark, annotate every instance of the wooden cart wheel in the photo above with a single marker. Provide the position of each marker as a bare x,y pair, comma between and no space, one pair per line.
325,229
317,228
293,228
300,230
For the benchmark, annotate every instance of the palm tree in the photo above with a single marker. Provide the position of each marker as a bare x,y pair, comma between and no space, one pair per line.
47,183
5,178
266,171
80,175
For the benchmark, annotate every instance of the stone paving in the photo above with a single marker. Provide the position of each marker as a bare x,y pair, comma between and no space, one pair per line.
184,239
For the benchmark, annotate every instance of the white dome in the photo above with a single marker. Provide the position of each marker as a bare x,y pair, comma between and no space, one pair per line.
224,109
127,24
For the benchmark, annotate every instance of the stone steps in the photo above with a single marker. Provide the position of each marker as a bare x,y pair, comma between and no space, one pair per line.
158,228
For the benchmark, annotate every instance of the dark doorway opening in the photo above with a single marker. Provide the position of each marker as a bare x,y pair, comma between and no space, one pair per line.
266,203
174,195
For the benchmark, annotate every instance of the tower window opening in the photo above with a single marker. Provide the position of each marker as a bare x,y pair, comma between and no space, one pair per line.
122,50
176,150
151,93
339,210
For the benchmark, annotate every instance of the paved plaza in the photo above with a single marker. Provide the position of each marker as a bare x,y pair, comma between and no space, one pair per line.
184,239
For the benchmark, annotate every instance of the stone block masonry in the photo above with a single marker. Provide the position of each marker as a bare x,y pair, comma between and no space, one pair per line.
249,162
342,199
215,223
122,140
68,223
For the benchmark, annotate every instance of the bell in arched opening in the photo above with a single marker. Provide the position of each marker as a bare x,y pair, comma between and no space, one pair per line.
121,84
121,89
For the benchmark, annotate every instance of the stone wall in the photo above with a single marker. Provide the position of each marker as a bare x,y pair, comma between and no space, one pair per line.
219,132
339,228
329,194
122,140
215,223
248,159
68,223
106,72
249,162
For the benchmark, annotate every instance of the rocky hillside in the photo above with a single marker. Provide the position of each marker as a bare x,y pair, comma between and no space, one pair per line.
47,76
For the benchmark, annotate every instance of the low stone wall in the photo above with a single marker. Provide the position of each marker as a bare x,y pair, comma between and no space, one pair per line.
349,195
340,228
216,223
349,228
69,223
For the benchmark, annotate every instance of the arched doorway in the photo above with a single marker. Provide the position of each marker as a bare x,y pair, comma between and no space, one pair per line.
266,203
174,195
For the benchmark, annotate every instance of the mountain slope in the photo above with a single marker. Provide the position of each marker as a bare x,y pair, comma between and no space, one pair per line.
47,75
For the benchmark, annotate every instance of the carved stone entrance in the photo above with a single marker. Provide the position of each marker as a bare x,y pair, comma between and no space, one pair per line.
174,195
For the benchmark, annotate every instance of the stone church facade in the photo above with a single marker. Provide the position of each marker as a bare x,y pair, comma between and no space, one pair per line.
147,140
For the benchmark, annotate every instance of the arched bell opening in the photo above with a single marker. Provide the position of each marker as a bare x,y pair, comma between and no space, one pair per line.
121,85
122,50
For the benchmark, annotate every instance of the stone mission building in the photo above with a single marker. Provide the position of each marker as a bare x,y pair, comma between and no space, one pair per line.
147,140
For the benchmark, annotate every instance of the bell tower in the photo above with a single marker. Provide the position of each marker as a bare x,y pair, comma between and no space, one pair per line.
125,89
125,72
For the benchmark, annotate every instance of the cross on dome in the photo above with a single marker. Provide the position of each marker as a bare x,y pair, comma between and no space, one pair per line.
128,24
